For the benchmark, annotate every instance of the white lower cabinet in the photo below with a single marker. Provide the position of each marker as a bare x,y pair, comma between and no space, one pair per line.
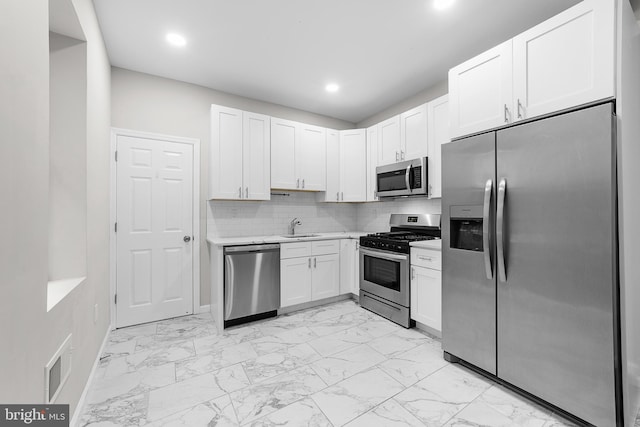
349,267
295,281
426,288
325,276
309,277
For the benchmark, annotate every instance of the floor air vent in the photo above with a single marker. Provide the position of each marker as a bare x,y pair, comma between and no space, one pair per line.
57,371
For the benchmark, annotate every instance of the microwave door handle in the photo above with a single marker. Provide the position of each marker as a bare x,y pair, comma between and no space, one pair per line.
406,177
488,189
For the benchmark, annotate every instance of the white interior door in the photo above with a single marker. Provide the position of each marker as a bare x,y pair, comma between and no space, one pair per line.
154,213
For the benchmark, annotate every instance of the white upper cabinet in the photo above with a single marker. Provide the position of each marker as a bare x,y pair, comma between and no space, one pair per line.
332,193
311,158
284,136
413,133
389,141
239,155
256,153
438,118
372,162
566,61
353,165
298,156
480,91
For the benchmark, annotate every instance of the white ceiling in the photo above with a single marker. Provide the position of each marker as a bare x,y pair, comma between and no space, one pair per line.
285,51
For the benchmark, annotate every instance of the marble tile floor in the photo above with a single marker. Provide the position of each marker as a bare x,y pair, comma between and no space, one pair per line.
335,365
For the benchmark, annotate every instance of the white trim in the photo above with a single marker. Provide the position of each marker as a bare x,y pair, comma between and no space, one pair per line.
115,132
75,419
57,290
205,308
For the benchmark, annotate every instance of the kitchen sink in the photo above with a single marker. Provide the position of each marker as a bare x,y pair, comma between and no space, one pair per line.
291,236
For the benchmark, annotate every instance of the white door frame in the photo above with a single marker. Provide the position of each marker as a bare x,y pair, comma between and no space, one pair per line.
115,132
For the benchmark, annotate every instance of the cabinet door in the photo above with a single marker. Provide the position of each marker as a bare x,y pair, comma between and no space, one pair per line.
295,281
372,162
325,276
566,61
256,147
426,297
225,155
332,193
347,265
353,165
284,135
413,133
389,141
311,158
480,92
438,114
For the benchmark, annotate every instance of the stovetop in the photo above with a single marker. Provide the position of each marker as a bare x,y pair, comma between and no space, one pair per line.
392,241
404,229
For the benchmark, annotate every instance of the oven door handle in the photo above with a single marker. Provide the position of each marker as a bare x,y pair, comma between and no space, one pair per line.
383,255
406,178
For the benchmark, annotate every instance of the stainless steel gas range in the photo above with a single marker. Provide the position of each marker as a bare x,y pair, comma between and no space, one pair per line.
385,266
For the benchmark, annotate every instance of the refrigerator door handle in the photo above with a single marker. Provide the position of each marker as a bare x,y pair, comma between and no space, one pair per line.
488,188
502,192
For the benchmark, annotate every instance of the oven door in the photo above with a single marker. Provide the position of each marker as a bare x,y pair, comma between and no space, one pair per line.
385,274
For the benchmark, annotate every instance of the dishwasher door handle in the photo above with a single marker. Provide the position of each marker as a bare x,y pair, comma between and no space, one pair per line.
251,248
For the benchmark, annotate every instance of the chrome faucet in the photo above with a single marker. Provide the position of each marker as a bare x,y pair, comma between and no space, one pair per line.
292,225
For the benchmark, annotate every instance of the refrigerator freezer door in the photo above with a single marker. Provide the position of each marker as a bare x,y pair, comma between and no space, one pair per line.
556,309
468,279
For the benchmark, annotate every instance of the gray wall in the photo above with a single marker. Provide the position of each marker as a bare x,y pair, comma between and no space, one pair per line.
420,98
155,104
29,334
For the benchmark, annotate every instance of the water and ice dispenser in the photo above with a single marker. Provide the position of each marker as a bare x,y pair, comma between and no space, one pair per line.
466,228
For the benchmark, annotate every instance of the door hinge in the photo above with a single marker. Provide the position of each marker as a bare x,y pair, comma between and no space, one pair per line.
115,227
115,299
116,155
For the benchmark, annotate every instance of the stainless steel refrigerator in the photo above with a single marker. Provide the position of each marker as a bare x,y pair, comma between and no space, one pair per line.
530,286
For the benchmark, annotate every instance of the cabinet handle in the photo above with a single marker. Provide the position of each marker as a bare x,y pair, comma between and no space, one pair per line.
413,273
519,108
401,155
240,192
314,262
425,258
309,263
298,183
506,111
342,193
397,156
337,196
302,182
246,193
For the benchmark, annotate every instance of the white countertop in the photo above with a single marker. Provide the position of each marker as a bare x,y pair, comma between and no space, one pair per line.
428,244
254,240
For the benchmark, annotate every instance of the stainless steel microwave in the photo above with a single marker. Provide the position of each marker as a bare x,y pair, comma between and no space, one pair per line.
408,178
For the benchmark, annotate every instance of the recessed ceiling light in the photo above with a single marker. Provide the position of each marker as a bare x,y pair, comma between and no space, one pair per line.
176,39
332,87
442,4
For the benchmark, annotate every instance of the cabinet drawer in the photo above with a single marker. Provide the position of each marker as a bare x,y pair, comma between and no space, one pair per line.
325,247
426,258
293,250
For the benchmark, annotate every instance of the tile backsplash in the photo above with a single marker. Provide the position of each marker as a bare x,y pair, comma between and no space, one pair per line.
374,217
245,218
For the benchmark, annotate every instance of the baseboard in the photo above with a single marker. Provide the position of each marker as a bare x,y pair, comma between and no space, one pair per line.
428,329
204,309
75,419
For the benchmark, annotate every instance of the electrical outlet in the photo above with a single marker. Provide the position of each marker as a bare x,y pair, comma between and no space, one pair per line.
95,313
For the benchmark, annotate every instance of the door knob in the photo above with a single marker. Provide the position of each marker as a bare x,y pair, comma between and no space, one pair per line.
187,239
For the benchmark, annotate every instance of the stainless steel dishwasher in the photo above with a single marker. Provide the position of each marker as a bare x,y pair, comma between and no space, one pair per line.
251,283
